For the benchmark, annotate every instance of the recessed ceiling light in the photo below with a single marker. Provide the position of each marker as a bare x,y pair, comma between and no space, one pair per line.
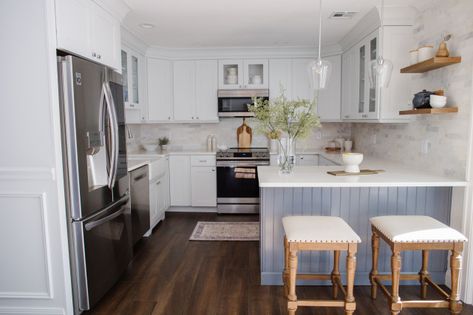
146,25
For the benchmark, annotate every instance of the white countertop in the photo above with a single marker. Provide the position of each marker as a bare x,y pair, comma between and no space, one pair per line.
137,159
395,175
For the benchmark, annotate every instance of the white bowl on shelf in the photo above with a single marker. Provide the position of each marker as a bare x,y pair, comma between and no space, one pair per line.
150,147
438,101
352,162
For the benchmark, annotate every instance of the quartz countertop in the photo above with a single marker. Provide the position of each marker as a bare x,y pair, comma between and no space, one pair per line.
395,175
137,159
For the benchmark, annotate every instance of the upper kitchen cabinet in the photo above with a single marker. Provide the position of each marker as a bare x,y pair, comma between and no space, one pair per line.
329,101
159,73
134,81
280,78
86,29
360,100
243,74
195,91
292,75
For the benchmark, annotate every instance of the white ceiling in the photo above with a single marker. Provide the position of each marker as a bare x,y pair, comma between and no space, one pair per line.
240,23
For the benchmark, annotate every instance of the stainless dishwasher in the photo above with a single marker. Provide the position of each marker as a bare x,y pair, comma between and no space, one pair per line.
139,187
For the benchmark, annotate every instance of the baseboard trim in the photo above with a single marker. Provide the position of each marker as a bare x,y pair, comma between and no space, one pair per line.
192,209
32,311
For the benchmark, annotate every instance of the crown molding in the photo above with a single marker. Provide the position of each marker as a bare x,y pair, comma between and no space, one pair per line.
393,16
240,52
131,40
118,8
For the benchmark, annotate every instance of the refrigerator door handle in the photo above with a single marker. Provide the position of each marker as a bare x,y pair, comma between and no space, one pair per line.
89,226
102,117
114,130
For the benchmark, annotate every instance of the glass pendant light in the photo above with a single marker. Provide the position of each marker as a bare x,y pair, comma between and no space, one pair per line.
319,69
380,70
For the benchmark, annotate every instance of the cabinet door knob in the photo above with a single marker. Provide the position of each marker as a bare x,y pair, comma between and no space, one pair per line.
99,56
169,117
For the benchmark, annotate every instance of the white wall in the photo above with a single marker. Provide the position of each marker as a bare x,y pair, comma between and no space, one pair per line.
34,272
448,135
195,135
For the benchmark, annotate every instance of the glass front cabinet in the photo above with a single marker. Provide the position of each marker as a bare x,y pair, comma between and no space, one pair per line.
367,100
132,68
243,74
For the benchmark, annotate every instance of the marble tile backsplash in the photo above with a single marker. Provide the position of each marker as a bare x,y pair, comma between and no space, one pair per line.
436,143
194,136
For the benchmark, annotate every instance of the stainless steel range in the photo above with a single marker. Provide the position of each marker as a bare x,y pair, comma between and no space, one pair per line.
237,179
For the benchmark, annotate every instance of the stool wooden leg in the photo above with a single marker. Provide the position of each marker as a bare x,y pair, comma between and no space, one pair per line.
285,274
374,259
455,268
396,273
424,273
292,303
335,273
350,304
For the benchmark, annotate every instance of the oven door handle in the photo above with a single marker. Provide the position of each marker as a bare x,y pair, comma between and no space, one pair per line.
241,164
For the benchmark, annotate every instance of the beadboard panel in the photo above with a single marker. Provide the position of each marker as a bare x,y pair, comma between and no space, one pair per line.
355,206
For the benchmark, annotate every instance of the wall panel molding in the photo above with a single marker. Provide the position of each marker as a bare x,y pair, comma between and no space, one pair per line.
27,173
22,200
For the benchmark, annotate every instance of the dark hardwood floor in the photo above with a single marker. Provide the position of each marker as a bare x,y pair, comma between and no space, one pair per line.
172,275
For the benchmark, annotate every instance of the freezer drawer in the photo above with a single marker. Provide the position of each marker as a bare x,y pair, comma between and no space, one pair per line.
103,251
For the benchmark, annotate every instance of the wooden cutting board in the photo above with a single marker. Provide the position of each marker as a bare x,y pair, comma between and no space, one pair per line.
244,135
362,172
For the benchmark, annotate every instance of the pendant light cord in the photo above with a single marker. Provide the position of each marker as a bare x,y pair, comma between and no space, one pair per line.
320,29
381,30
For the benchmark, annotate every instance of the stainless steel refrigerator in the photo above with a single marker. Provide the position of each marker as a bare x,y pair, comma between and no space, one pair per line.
97,183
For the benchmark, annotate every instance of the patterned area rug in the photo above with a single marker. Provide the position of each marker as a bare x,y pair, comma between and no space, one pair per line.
226,231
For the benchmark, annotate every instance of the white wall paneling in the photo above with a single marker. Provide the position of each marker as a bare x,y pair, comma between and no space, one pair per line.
26,263
34,272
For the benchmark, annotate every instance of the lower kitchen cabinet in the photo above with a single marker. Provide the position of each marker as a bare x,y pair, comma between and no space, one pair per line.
204,181
159,197
180,180
307,159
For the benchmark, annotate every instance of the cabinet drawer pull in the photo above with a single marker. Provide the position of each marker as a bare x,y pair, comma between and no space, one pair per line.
94,54
203,161
158,182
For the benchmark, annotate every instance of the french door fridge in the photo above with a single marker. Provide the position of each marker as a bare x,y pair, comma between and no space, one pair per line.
96,177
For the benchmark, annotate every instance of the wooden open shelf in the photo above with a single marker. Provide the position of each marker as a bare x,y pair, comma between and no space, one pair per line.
427,111
431,64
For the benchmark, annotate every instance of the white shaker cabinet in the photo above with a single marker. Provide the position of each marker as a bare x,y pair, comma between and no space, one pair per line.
329,101
307,159
293,76
280,77
180,180
204,181
184,90
86,29
206,72
195,91
301,88
159,73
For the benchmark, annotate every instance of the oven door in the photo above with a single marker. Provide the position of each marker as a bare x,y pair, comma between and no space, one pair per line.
237,187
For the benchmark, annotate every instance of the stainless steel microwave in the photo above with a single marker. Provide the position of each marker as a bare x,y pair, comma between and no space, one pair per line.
234,103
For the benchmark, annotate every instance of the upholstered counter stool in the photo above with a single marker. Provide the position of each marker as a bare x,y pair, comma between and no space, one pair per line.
408,232
319,233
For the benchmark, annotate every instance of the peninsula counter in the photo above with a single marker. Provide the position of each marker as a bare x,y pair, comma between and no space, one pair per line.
309,190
